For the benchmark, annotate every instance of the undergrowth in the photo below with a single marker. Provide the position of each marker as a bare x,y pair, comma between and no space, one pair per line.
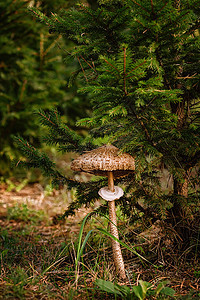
73,260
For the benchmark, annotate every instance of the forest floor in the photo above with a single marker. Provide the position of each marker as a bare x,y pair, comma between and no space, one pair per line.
38,251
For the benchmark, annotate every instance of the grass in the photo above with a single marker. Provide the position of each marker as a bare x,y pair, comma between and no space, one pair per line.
41,259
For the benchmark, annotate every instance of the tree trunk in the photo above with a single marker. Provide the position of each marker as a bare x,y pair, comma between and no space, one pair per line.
181,188
179,212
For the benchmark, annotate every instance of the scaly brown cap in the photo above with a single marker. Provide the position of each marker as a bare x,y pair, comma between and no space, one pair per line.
103,159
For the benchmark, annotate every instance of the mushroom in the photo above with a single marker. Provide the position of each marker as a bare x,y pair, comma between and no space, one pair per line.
107,161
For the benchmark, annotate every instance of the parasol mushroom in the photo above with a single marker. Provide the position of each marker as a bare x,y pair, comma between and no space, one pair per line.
106,161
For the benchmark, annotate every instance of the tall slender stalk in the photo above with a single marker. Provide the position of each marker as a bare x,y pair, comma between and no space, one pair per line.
117,254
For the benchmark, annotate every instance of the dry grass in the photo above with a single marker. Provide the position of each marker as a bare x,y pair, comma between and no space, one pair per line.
38,251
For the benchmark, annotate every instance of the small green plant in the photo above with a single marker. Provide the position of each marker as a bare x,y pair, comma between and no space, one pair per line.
197,274
142,291
194,295
18,280
21,212
16,186
81,245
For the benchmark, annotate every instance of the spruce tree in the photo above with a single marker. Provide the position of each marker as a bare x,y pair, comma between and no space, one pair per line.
139,65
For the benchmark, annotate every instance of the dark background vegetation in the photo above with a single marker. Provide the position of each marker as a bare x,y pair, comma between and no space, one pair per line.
33,75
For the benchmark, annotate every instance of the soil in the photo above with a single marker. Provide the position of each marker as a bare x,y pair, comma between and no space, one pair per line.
50,205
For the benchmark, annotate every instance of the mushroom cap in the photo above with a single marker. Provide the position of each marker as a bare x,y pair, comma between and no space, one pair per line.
103,159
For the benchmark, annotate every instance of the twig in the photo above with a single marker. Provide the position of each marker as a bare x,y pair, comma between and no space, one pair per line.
82,69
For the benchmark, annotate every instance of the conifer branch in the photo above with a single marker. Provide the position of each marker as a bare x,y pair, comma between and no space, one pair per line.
111,65
60,133
152,7
194,27
135,68
124,75
35,159
82,69
147,134
88,64
143,8
46,118
86,10
163,6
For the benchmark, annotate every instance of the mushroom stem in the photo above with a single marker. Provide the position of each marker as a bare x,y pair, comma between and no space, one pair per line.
111,181
117,254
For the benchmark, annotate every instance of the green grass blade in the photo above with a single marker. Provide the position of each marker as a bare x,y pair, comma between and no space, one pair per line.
82,247
81,234
123,244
